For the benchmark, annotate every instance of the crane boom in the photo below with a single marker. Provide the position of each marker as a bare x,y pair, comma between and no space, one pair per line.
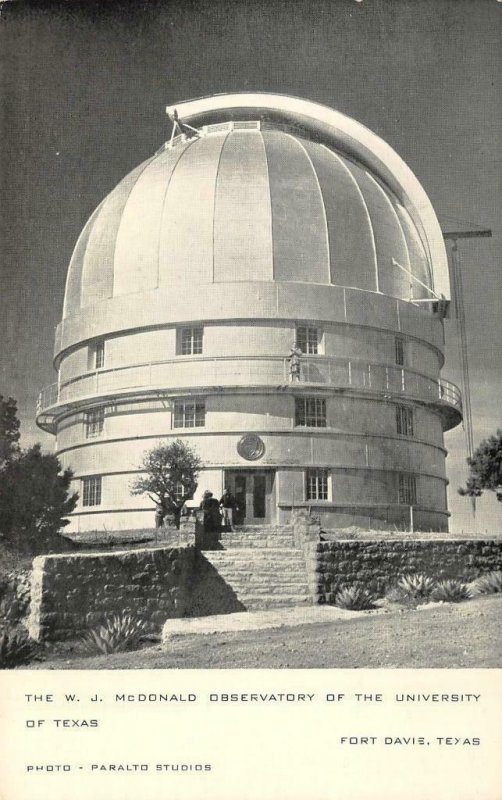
482,233
457,285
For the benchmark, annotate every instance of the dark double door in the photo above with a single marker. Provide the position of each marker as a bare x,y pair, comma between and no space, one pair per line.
252,490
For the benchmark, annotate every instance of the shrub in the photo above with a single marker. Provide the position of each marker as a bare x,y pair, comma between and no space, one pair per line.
15,600
118,633
11,611
355,598
491,583
413,589
451,591
16,648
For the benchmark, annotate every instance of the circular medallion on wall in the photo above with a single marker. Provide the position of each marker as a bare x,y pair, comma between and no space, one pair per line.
250,447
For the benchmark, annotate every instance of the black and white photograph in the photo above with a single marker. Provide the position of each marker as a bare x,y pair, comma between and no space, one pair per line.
251,292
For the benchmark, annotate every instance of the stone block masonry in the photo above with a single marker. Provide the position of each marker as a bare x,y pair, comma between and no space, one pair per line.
72,593
378,564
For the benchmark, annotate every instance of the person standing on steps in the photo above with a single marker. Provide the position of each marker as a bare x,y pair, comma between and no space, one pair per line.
227,505
211,509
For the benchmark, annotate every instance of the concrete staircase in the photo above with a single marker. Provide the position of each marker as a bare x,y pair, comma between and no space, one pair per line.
276,536
262,567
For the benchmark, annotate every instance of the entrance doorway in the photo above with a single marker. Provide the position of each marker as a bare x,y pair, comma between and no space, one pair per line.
253,492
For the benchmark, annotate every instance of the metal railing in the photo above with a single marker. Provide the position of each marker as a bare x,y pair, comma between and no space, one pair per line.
194,373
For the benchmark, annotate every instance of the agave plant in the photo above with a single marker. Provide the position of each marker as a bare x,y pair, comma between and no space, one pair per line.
16,648
118,633
355,598
415,589
491,583
451,591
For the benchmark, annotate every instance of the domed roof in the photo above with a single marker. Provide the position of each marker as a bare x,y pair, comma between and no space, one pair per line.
247,201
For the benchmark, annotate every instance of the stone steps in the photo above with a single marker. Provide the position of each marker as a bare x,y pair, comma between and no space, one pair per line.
271,554
248,537
230,542
259,603
263,528
263,577
266,590
256,537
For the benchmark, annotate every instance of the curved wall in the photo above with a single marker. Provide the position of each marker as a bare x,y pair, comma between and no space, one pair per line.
242,377
245,340
255,301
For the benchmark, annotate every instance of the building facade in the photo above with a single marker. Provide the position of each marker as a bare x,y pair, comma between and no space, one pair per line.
265,224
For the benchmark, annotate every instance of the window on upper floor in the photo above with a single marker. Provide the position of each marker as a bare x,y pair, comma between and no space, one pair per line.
407,490
404,420
189,340
310,412
316,484
399,351
91,491
189,414
308,339
94,422
96,355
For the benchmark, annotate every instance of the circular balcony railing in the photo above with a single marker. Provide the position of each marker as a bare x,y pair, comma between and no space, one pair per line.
204,374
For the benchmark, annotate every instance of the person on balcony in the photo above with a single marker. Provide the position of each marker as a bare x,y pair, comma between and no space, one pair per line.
294,363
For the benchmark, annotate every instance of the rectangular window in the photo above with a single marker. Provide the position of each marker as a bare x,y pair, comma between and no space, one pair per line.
310,412
399,347
91,491
307,340
407,490
404,420
179,491
99,355
96,355
189,414
94,422
189,341
316,484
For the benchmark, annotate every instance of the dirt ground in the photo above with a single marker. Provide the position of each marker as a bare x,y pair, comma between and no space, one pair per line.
466,635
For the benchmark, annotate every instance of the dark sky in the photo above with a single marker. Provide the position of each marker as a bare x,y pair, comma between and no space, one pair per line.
83,92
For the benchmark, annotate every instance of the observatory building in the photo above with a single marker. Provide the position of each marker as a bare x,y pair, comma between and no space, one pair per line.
265,225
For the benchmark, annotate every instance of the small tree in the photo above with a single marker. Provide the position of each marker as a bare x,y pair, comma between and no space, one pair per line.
34,498
170,479
34,492
9,430
485,469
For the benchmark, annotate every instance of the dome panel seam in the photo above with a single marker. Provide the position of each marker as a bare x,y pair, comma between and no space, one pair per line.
395,216
214,201
325,218
365,207
162,211
87,230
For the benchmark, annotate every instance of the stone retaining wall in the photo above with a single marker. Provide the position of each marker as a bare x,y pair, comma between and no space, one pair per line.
377,564
72,593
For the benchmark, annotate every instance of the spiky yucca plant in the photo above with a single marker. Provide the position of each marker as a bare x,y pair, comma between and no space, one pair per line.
491,583
16,648
415,589
451,591
118,633
355,598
